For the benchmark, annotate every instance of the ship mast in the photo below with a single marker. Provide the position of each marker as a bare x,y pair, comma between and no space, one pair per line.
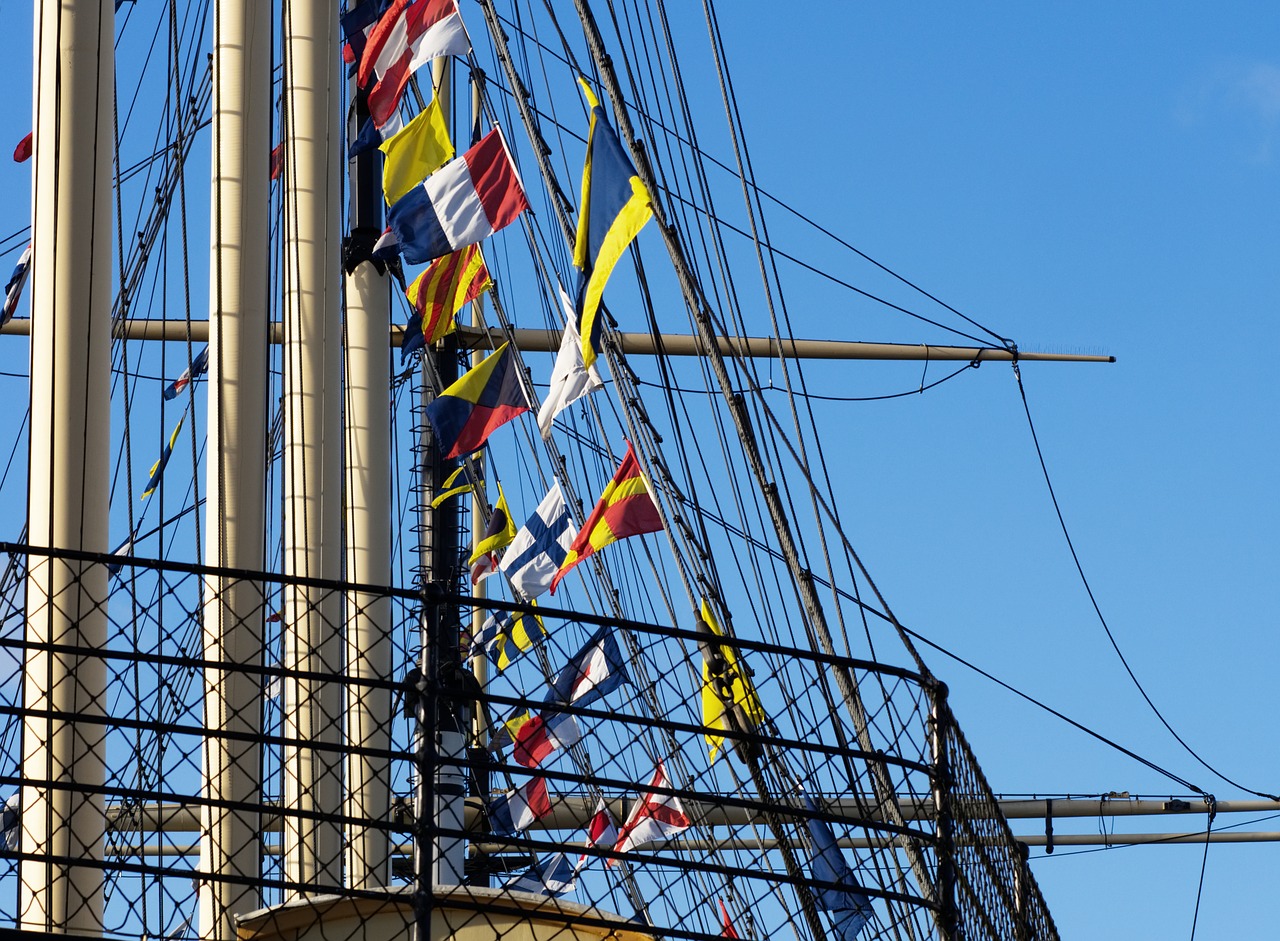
312,448
236,492
64,692
368,518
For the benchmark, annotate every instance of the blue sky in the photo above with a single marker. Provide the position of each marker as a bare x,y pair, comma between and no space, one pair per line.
1090,178
1080,178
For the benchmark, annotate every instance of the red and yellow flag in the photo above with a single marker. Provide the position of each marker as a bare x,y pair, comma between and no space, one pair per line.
626,508
448,283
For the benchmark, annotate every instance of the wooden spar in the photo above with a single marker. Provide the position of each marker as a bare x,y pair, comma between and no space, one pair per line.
1182,838
537,340
572,812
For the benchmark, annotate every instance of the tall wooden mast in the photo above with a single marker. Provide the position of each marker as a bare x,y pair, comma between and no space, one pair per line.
312,445
368,517
235,509
63,822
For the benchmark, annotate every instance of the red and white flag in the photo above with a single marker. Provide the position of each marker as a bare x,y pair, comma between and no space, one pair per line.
601,831
654,816
537,737
521,808
410,34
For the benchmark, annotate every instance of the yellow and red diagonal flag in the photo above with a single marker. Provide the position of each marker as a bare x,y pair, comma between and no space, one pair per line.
626,508
440,291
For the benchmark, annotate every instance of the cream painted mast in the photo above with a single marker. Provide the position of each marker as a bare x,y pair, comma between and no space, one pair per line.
235,509
70,441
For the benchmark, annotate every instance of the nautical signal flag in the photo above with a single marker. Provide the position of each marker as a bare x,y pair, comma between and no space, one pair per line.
625,509
507,634
728,931
595,671
552,876
157,469
464,202
419,149
843,900
654,817
17,280
729,700
11,821
535,555
497,536
535,737
125,548
456,484
601,831
521,808
199,366
22,153
570,378
357,24
440,292
483,400
408,35
614,208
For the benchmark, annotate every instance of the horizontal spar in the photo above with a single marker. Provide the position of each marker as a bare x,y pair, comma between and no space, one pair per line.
1033,839
637,344
570,812
700,846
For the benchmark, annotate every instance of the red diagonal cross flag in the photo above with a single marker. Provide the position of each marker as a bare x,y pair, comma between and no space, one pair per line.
654,817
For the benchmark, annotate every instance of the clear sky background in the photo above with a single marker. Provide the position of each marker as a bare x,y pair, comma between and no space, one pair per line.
1079,177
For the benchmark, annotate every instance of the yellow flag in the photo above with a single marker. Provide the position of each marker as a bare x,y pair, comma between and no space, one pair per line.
421,148
729,701
499,533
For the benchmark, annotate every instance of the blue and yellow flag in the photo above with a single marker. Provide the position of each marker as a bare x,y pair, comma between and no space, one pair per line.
157,469
507,634
614,208
498,534
484,399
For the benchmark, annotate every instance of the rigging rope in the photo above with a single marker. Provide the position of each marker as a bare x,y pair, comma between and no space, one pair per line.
1097,610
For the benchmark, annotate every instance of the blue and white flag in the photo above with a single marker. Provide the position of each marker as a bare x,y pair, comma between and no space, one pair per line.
10,818
535,555
521,808
554,876
125,548
848,905
596,669
13,290
199,366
